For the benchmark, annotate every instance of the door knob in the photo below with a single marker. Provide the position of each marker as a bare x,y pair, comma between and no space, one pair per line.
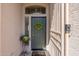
67,28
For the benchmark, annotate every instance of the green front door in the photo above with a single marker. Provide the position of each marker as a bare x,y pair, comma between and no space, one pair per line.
38,33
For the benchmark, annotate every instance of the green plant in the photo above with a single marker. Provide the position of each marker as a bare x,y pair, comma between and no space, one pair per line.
25,39
38,26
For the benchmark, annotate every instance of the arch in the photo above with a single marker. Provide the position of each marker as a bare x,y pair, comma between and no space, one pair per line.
35,9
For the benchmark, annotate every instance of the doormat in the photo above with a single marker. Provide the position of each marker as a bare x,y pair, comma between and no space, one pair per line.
38,53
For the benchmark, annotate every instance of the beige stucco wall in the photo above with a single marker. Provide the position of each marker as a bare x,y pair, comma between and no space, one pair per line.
0,29
74,34
11,28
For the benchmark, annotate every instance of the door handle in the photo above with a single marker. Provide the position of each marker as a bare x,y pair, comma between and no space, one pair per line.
67,28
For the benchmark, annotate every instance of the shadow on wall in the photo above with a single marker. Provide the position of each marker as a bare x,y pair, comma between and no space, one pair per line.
49,48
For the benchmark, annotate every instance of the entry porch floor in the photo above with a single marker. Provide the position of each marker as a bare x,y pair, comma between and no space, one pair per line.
35,53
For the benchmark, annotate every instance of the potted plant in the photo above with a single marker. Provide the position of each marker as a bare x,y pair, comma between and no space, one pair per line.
25,42
24,39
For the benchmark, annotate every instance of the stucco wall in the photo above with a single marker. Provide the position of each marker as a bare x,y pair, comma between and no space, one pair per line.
74,35
0,29
11,28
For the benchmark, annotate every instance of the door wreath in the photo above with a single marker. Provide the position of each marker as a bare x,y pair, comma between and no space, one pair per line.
38,26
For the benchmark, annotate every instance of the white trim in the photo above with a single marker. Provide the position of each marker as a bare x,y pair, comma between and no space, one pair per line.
62,34
66,34
35,15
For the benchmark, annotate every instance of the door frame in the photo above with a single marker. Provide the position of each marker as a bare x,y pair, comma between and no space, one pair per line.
29,15
30,26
